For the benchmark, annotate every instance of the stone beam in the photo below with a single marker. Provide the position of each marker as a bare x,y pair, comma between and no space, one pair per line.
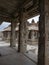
30,8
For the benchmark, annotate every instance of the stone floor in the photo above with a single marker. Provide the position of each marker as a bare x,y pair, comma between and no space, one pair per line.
32,56
9,56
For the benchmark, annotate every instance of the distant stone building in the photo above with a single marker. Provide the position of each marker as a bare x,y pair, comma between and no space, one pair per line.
32,32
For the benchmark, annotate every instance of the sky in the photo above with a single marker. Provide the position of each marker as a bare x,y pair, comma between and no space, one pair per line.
36,19
6,24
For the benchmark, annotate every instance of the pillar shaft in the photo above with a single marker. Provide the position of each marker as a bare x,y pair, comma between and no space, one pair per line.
22,33
32,35
4,35
8,35
13,39
43,53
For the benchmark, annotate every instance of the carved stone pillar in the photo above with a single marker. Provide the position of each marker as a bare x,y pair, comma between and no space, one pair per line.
22,33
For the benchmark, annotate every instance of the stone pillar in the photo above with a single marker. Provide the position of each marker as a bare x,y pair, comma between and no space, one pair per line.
26,33
8,36
43,53
32,35
5,35
13,39
22,33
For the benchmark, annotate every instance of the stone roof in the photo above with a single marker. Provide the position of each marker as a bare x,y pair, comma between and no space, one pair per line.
9,8
30,27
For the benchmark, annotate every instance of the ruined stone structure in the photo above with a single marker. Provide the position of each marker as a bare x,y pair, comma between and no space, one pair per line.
18,11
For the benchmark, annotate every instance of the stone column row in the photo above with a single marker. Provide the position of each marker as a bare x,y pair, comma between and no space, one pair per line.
22,33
